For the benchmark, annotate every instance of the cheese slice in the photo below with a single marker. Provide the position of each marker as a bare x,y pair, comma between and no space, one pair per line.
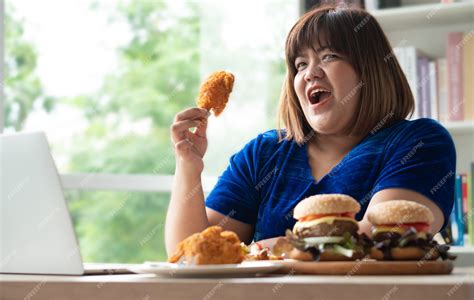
329,220
380,229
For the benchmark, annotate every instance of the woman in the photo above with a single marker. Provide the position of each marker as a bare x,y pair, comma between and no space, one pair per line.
343,104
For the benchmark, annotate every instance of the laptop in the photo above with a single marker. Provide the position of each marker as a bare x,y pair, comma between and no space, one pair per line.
37,234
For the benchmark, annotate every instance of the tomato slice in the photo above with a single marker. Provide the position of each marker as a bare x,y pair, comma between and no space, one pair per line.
420,226
318,216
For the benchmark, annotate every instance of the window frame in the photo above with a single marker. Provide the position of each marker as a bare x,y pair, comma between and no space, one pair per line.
125,182
98,181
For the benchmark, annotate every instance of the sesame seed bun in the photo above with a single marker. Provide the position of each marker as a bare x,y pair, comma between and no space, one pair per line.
399,211
333,256
408,253
327,255
300,255
326,204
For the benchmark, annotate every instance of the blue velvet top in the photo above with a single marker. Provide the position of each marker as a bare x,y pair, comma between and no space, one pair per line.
266,179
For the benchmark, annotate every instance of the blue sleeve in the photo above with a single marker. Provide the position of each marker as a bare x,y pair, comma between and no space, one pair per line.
236,191
422,158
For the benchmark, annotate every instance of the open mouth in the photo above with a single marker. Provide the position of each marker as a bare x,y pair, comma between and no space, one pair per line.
318,96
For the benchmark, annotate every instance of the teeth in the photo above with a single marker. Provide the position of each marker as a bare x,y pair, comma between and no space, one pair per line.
314,92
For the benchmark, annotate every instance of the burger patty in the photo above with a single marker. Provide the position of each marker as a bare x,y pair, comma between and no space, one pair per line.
381,236
337,228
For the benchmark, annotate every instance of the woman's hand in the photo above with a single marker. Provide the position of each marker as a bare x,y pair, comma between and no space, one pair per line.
190,146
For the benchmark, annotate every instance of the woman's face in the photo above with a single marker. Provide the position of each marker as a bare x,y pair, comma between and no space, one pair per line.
328,89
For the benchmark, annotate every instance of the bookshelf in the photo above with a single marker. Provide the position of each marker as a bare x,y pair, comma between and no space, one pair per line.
436,14
459,128
463,137
426,27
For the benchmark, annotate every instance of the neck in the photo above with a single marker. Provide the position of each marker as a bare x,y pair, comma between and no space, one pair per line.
334,144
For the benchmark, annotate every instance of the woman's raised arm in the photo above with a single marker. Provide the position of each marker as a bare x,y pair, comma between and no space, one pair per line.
186,212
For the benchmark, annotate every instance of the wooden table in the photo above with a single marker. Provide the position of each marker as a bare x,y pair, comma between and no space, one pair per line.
458,285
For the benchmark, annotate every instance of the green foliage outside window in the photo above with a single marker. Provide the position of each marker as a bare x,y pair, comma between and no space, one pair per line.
158,74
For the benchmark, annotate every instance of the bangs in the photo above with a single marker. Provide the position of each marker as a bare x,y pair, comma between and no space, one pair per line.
358,38
328,28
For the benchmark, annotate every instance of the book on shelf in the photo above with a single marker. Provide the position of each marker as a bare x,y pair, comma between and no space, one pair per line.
454,68
443,88
468,75
433,90
464,193
408,57
469,219
424,87
460,227
457,220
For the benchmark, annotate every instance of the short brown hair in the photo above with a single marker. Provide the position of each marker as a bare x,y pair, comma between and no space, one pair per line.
385,96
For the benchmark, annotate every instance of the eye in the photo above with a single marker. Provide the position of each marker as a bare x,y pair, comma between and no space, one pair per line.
329,57
300,65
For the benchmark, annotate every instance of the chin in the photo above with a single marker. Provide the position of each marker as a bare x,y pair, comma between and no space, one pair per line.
323,128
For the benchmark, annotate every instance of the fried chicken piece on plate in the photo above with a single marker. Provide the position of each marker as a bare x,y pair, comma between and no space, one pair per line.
214,92
211,246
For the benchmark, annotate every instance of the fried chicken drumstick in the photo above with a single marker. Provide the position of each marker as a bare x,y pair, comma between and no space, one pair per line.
214,92
211,246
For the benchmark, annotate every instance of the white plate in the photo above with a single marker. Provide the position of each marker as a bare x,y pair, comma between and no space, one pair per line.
170,269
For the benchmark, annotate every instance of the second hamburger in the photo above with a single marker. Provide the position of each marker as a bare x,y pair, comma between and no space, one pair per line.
401,232
326,229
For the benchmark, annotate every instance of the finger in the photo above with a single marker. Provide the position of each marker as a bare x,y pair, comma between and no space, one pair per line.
192,113
178,129
185,125
185,147
201,130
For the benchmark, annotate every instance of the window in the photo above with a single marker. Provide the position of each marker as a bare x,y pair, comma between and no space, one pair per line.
104,80
119,226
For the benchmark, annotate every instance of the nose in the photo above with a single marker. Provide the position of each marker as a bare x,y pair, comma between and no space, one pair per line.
314,72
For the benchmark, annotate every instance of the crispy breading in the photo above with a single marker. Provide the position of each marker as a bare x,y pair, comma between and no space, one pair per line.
211,246
214,92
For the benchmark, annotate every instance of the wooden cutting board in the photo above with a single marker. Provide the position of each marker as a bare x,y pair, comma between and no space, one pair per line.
366,267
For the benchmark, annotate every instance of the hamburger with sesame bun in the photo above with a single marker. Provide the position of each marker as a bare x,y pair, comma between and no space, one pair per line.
400,231
326,229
